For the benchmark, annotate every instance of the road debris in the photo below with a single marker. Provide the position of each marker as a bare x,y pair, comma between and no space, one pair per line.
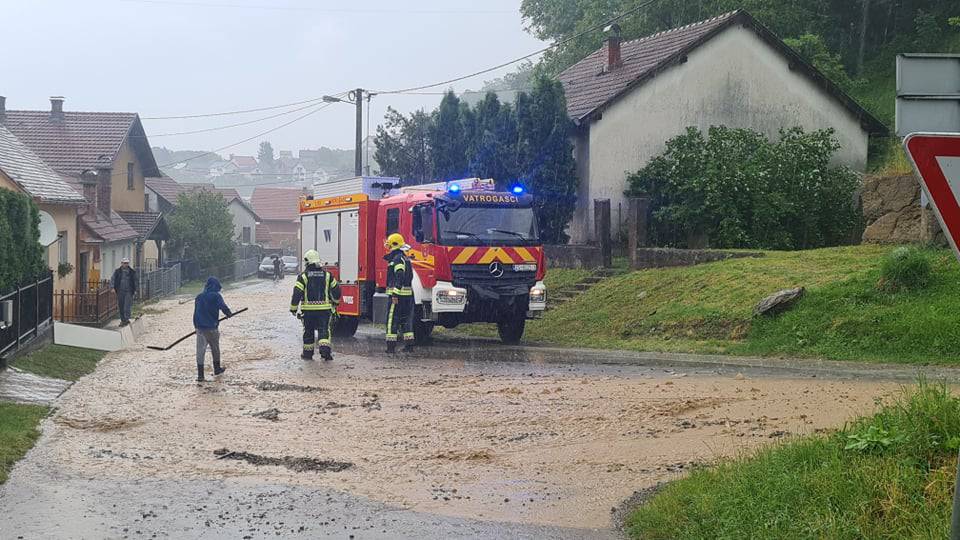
296,464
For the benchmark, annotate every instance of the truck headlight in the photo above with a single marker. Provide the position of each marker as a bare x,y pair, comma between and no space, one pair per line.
451,296
538,295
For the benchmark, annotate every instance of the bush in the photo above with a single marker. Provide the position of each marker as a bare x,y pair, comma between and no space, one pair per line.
738,190
905,269
19,239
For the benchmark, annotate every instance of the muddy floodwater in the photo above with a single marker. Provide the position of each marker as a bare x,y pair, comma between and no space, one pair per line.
460,430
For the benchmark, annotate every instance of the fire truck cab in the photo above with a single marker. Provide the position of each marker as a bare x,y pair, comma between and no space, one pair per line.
476,251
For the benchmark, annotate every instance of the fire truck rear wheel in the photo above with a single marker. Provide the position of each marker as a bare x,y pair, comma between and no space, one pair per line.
511,329
345,326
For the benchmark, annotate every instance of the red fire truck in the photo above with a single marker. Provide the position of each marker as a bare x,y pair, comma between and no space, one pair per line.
476,251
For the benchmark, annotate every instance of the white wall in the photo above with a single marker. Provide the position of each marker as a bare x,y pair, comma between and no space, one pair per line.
736,80
243,218
111,255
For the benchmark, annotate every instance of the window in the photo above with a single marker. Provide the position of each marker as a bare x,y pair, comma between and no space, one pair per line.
146,203
64,248
245,235
130,176
393,220
422,226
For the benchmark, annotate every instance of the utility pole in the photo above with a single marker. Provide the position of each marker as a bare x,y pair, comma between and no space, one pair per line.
358,158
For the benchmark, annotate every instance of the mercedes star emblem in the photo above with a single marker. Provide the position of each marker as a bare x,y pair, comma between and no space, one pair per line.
496,269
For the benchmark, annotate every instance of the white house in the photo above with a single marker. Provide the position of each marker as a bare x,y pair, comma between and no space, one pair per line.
627,99
244,218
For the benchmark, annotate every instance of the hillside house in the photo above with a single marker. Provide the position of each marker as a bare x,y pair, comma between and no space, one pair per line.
627,99
105,156
23,171
279,211
242,165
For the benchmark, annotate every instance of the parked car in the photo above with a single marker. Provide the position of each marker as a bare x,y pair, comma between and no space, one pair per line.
266,268
291,265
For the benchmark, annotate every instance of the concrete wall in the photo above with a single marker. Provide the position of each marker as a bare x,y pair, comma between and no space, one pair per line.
573,256
66,220
735,80
111,254
668,257
121,198
242,217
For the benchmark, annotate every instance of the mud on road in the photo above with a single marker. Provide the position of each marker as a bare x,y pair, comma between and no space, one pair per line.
448,432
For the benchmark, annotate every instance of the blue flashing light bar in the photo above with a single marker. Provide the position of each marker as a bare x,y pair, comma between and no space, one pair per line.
517,190
454,188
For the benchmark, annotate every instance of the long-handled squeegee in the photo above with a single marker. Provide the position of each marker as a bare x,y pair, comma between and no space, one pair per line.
177,342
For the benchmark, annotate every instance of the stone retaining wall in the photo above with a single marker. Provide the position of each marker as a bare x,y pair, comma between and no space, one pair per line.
668,257
891,210
573,256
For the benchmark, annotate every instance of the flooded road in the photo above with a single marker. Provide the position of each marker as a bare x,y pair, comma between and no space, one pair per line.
463,439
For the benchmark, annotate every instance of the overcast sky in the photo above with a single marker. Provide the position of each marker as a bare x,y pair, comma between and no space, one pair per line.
178,57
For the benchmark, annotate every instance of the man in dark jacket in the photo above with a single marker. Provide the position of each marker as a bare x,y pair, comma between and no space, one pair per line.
206,315
124,283
316,294
400,291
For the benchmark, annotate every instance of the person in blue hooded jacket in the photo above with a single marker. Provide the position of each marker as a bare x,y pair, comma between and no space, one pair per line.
206,319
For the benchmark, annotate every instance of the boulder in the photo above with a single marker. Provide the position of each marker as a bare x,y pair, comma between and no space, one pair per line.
778,302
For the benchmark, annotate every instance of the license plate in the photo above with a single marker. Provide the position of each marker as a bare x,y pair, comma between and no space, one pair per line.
524,268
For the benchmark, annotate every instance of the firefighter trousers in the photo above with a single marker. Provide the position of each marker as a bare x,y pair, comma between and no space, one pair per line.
316,322
400,318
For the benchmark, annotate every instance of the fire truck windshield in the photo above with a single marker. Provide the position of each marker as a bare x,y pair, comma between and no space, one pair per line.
488,225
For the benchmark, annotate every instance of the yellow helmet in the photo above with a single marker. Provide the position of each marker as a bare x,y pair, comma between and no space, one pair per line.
395,241
311,257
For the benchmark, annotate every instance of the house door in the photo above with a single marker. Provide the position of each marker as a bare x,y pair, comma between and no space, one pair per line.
82,275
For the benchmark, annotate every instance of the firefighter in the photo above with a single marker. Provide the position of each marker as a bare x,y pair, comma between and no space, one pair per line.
316,294
400,291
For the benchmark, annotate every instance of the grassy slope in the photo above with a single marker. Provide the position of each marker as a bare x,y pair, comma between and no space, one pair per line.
708,308
815,488
60,362
18,432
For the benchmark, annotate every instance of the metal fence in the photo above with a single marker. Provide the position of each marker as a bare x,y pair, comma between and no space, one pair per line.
95,306
31,308
231,272
159,283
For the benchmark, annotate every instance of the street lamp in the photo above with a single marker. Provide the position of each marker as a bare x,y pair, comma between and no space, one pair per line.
355,97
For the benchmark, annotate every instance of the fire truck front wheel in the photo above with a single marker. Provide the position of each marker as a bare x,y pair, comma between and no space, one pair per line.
346,326
421,329
511,329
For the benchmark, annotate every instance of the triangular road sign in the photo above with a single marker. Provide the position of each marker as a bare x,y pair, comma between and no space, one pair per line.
936,160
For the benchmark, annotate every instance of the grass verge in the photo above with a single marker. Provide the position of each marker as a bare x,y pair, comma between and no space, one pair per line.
60,362
886,476
18,432
708,309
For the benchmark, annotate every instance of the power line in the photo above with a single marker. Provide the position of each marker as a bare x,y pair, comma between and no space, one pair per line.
317,109
324,9
527,57
234,125
228,113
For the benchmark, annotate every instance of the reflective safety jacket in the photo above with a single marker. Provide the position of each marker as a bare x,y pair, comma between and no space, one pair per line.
315,290
399,274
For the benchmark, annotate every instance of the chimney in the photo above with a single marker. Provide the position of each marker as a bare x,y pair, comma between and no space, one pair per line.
611,47
104,184
3,109
88,179
56,107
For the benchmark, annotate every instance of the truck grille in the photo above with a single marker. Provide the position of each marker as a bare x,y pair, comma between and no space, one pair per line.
486,274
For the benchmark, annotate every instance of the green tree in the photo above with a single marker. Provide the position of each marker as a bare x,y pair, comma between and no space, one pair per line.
23,258
815,51
545,156
404,146
449,138
202,228
265,157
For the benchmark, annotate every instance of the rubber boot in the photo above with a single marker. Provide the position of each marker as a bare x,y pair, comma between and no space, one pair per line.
391,347
307,356
200,374
218,369
325,353
407,346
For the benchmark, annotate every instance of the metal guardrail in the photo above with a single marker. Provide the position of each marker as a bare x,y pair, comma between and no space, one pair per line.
31,308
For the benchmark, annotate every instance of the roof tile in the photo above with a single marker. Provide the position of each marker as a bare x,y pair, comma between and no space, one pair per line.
32,174
277,204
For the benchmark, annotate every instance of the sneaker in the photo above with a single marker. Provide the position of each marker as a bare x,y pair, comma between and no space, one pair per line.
218,371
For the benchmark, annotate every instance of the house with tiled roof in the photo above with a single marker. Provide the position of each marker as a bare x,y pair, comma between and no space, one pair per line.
163,192
243,164
279,212
629,98
105,156
23,171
